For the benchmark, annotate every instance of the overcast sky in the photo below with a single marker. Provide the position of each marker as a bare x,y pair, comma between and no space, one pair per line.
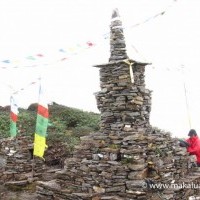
169,41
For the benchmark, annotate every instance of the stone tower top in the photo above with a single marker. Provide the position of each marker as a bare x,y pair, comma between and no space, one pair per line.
115,13
117,41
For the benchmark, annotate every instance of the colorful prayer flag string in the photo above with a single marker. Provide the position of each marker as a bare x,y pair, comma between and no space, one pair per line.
75,49
6,61
68,52
40,55
22,89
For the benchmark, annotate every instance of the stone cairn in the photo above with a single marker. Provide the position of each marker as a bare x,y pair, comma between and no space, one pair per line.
17,166
127,154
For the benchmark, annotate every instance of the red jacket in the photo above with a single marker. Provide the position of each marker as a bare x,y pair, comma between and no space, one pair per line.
194,148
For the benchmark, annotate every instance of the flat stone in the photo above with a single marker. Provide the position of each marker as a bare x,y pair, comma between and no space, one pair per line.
135,184
16,183
135,167
138,174
50,184
98,189
116,189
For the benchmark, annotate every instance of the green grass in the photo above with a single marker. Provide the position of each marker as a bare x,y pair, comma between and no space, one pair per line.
66,124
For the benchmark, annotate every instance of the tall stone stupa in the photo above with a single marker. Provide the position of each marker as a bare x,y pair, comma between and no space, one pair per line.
123,101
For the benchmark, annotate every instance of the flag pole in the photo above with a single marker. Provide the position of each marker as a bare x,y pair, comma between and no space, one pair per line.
186,99
33,163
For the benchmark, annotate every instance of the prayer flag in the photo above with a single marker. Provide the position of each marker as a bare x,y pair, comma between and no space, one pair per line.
41,125
13,116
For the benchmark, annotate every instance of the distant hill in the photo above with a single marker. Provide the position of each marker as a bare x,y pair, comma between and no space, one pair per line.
66,124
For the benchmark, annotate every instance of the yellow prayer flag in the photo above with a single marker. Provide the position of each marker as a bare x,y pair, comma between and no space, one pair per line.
39,145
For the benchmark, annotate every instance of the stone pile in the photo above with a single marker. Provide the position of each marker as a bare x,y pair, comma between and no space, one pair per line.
121,160
117,42
17,164
103,169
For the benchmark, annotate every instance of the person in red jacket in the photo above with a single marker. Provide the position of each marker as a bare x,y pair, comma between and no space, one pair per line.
194,145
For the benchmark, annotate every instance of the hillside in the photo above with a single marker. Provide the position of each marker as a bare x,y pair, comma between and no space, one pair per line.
65,124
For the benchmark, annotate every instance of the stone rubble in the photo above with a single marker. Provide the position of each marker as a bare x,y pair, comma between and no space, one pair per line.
18,167
17,164
127,154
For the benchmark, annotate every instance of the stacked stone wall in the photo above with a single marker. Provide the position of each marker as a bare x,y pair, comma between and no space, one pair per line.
17,164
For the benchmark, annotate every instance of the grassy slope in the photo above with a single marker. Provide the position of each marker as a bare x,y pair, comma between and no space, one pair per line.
65,124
